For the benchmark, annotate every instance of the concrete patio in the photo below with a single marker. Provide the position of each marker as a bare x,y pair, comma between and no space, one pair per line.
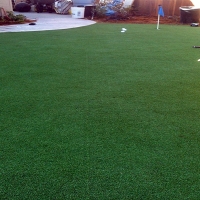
46,21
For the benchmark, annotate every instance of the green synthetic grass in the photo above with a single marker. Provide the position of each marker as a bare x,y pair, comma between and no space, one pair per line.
93,113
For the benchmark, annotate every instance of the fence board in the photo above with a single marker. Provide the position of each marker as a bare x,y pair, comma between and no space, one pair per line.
170,7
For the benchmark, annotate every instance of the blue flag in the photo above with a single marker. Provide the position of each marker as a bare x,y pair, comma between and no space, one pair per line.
160,11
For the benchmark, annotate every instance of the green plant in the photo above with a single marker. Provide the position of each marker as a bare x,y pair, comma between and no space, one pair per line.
16,18
100,9
10,18
120,12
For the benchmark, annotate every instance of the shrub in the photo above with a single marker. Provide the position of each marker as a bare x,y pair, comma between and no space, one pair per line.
120,12
11,18
100,8
16,18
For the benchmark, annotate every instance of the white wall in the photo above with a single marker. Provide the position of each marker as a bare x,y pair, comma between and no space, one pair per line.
6,4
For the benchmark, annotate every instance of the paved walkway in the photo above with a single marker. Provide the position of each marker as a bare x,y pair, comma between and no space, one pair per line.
46,21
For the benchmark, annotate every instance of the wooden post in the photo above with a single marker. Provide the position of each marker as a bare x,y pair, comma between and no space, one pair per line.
174,7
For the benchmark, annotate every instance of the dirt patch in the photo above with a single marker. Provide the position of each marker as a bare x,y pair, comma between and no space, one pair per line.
142,20
9,22
130,20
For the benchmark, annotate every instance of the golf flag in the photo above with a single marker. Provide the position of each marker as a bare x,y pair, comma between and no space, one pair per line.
160,13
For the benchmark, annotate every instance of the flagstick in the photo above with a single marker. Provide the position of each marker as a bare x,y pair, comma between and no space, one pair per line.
158,22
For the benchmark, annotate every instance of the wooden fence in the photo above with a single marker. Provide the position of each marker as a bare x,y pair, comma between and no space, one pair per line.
170,7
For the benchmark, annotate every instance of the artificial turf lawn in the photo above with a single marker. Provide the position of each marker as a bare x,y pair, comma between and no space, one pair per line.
93,113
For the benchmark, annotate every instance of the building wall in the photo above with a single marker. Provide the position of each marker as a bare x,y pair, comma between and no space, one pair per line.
170,7
6,4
